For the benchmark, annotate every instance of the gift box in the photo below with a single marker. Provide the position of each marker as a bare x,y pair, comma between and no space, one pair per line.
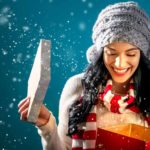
123,137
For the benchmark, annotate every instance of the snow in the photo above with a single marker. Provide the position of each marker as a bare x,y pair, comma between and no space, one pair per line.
14,99
71,13
83,1
90,5
5,15
19,57
11,105
3,20
20,39
41,30
50,1
2,122
82,26
4,52
25,28
85,11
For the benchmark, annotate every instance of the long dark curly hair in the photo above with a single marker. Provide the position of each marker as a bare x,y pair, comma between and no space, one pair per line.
96,76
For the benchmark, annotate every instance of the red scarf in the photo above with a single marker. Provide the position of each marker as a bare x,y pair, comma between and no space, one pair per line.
86,138
117,103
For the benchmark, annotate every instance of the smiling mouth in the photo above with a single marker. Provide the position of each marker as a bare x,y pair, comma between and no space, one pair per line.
120,71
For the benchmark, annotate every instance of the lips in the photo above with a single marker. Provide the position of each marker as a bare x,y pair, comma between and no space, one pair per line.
120,71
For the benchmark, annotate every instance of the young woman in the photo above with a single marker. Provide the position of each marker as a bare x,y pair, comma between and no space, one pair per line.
113,90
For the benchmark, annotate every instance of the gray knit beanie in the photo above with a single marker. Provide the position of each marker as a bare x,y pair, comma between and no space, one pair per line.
123,21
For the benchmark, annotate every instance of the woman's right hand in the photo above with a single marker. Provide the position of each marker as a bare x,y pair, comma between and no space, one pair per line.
43,117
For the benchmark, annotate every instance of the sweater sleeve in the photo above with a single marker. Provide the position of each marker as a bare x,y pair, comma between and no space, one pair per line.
53,136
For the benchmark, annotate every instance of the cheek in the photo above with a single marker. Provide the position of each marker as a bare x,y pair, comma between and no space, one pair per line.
135,62
135,65
107,60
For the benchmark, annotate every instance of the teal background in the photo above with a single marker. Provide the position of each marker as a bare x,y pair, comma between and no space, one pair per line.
68,24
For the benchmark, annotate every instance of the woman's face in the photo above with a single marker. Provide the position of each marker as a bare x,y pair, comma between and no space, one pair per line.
121,60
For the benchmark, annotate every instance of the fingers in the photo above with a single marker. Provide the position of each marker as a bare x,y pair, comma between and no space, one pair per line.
24,106
23,101
23,115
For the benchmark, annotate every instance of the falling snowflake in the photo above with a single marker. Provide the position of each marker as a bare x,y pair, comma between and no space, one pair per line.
19,80
14,140
35,25
72,14
14,99
2,122
30,45
11,105
4,52
68,21
14,79
63,36
5,10
56,65
28,56
50,1
19,58
90,5
41,30
9,26
73,67
3,20
5,15
82,26
14,60
25,28
85,11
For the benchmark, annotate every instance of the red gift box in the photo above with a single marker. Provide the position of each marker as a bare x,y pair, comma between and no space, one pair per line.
123,137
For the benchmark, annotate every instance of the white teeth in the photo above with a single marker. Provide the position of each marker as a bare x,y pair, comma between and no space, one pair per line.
120,71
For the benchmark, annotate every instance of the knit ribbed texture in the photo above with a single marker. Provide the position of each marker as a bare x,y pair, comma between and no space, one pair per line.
120,22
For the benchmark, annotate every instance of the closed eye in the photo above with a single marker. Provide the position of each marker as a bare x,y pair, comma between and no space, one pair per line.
110,53
131,55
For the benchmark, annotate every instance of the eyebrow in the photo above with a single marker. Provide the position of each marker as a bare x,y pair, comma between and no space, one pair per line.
130,49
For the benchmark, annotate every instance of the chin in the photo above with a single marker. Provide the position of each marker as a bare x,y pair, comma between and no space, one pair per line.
120,80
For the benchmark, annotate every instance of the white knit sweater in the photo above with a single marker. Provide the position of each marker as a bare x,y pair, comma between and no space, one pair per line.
54,137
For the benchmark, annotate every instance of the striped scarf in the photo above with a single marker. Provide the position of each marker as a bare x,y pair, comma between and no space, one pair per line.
85,139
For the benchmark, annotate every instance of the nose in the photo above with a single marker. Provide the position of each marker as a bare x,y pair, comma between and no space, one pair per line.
120,62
